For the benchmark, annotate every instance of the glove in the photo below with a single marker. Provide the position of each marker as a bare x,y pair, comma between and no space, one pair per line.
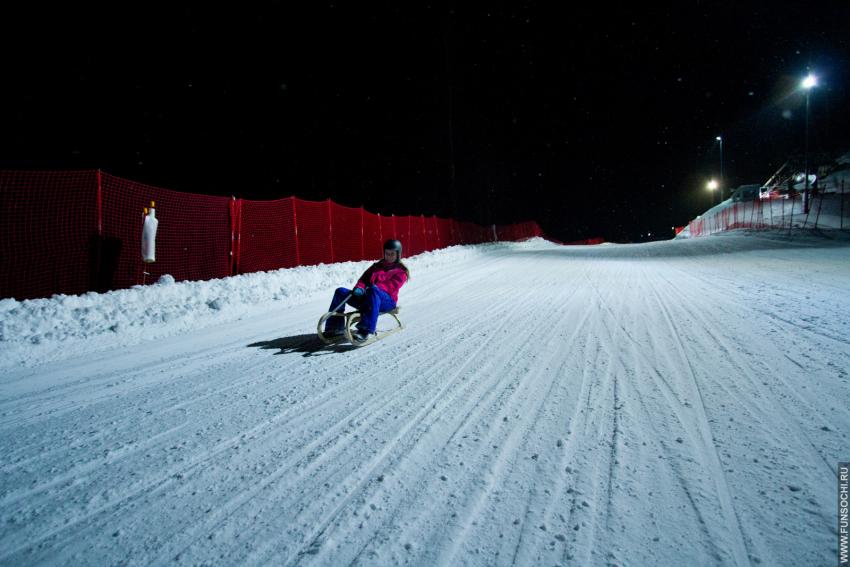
358,291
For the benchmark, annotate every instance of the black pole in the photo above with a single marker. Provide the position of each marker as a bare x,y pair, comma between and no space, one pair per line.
450,92
721,168
820,206
806,190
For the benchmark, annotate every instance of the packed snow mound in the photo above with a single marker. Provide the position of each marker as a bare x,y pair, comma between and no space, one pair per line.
169,308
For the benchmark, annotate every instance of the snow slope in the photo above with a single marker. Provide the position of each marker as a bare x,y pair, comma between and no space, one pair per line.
668,403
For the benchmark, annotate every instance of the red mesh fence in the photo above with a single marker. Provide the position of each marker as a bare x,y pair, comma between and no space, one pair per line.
48,233
267,239
314,232
347,233
416,238
586,242
463,231
447,229
193,238
72,232
402,232
388,228
519,231
431,240
373,238
826,211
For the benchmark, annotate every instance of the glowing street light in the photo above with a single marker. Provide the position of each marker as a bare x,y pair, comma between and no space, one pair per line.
809,83
712,185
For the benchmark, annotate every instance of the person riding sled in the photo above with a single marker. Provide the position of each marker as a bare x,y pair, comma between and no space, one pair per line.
375,292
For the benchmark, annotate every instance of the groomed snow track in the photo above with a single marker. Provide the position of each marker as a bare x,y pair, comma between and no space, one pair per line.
675,403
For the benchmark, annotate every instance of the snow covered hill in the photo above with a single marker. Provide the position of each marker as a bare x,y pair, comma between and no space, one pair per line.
669,403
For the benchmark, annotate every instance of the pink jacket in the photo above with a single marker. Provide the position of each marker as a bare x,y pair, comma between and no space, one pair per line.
388,277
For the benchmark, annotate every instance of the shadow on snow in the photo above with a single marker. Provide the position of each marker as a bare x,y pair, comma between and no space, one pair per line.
306,345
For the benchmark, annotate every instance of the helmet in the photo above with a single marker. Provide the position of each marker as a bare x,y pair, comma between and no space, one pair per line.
394,245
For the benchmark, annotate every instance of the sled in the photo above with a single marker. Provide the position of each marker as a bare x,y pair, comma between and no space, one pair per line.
350,325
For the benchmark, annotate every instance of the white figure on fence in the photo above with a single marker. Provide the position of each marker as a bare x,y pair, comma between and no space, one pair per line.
149,235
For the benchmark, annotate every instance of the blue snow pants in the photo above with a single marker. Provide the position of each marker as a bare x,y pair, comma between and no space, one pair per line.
371,304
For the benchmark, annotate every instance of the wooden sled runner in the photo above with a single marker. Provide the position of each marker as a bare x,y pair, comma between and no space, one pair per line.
350,325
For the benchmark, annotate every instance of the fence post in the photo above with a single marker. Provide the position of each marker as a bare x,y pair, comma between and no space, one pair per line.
807,205
233,235
99,205
437,232
362,245
239,203
99,249
791,217
395,228
331,230
424,232
295,224
817,216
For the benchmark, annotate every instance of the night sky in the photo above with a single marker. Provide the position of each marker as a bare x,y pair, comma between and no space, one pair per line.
595,121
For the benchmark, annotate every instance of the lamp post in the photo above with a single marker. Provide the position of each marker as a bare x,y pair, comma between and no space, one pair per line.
808,84
720,139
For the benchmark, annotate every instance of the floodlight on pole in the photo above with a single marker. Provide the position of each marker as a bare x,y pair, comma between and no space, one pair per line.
809,83
712,185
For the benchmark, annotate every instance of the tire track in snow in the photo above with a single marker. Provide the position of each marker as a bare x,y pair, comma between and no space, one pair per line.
517,438
504,320
436,371
626,304
745,370
600,419
315,538
221,448
163,482
474,403
709,448
485,411
642,388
